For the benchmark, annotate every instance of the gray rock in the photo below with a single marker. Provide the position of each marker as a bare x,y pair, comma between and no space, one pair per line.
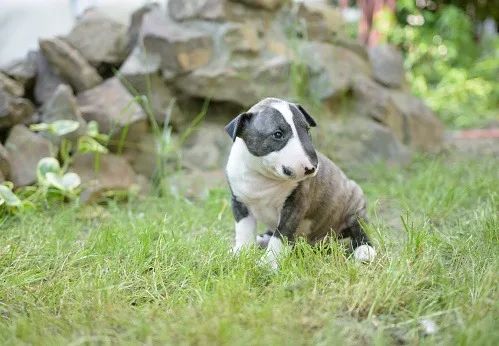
332,68
208,148
62,105
358,141
196,184
70,64
243,37
47,79
112,107
374,101
181,48
14,110
143,156
99,38
4,163
199,9
136,23
410,120
266,4
236,83
425,130
23,70
388,65
11,86
321,22
113,174
140,74
25,149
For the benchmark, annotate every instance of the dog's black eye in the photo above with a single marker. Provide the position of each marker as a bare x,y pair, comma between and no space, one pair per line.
277,135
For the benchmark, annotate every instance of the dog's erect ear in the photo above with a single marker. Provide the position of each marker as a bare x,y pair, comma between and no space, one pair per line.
235,126
307,116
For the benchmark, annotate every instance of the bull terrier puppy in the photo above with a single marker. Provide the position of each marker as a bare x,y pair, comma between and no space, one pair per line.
276,177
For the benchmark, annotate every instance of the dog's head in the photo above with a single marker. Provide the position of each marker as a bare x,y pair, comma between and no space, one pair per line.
276,135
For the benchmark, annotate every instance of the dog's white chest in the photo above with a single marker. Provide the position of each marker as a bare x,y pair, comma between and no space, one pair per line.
264,197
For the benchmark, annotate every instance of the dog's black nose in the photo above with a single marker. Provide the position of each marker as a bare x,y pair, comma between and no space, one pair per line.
309,170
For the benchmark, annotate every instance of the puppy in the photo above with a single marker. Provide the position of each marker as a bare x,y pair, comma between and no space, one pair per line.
276,177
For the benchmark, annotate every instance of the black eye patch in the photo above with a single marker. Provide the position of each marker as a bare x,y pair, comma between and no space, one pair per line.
259,132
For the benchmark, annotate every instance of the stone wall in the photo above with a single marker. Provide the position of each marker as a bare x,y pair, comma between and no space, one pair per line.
233,53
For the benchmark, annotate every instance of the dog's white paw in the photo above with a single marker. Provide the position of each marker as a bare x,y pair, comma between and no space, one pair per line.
262,240
268,262
364,253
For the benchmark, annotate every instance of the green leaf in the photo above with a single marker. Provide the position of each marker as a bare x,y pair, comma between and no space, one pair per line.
39,127
87,144
47,165
8,197
63,127
58,127
68,182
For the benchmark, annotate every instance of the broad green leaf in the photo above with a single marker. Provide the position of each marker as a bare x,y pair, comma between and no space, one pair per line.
58,127
8,197
39,127
63,127
47,165
87,144
68,182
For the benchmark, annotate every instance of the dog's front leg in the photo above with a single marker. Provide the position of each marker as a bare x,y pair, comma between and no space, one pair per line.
291,216
245,225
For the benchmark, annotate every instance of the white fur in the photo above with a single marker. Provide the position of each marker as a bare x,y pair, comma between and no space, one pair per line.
254,186
245,233
273,253
364,253
292,155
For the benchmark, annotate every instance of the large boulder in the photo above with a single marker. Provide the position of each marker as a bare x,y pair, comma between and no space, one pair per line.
388,65
113,173
14,110
358,141
237,83
410,120
99,38
70,64
199,9
424,129
25,149
47,79
181,48
113,108
140,74
62,105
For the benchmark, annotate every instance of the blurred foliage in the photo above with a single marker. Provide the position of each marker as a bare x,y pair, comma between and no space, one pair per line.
452,70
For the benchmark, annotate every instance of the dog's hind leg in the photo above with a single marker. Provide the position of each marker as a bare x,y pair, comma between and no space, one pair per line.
362,248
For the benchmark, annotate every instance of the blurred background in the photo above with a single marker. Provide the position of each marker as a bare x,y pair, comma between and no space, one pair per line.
140,90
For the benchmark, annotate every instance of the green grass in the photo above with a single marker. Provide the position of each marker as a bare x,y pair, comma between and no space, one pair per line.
157,271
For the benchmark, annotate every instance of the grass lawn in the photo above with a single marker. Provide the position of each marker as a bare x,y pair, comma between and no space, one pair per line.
156,271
